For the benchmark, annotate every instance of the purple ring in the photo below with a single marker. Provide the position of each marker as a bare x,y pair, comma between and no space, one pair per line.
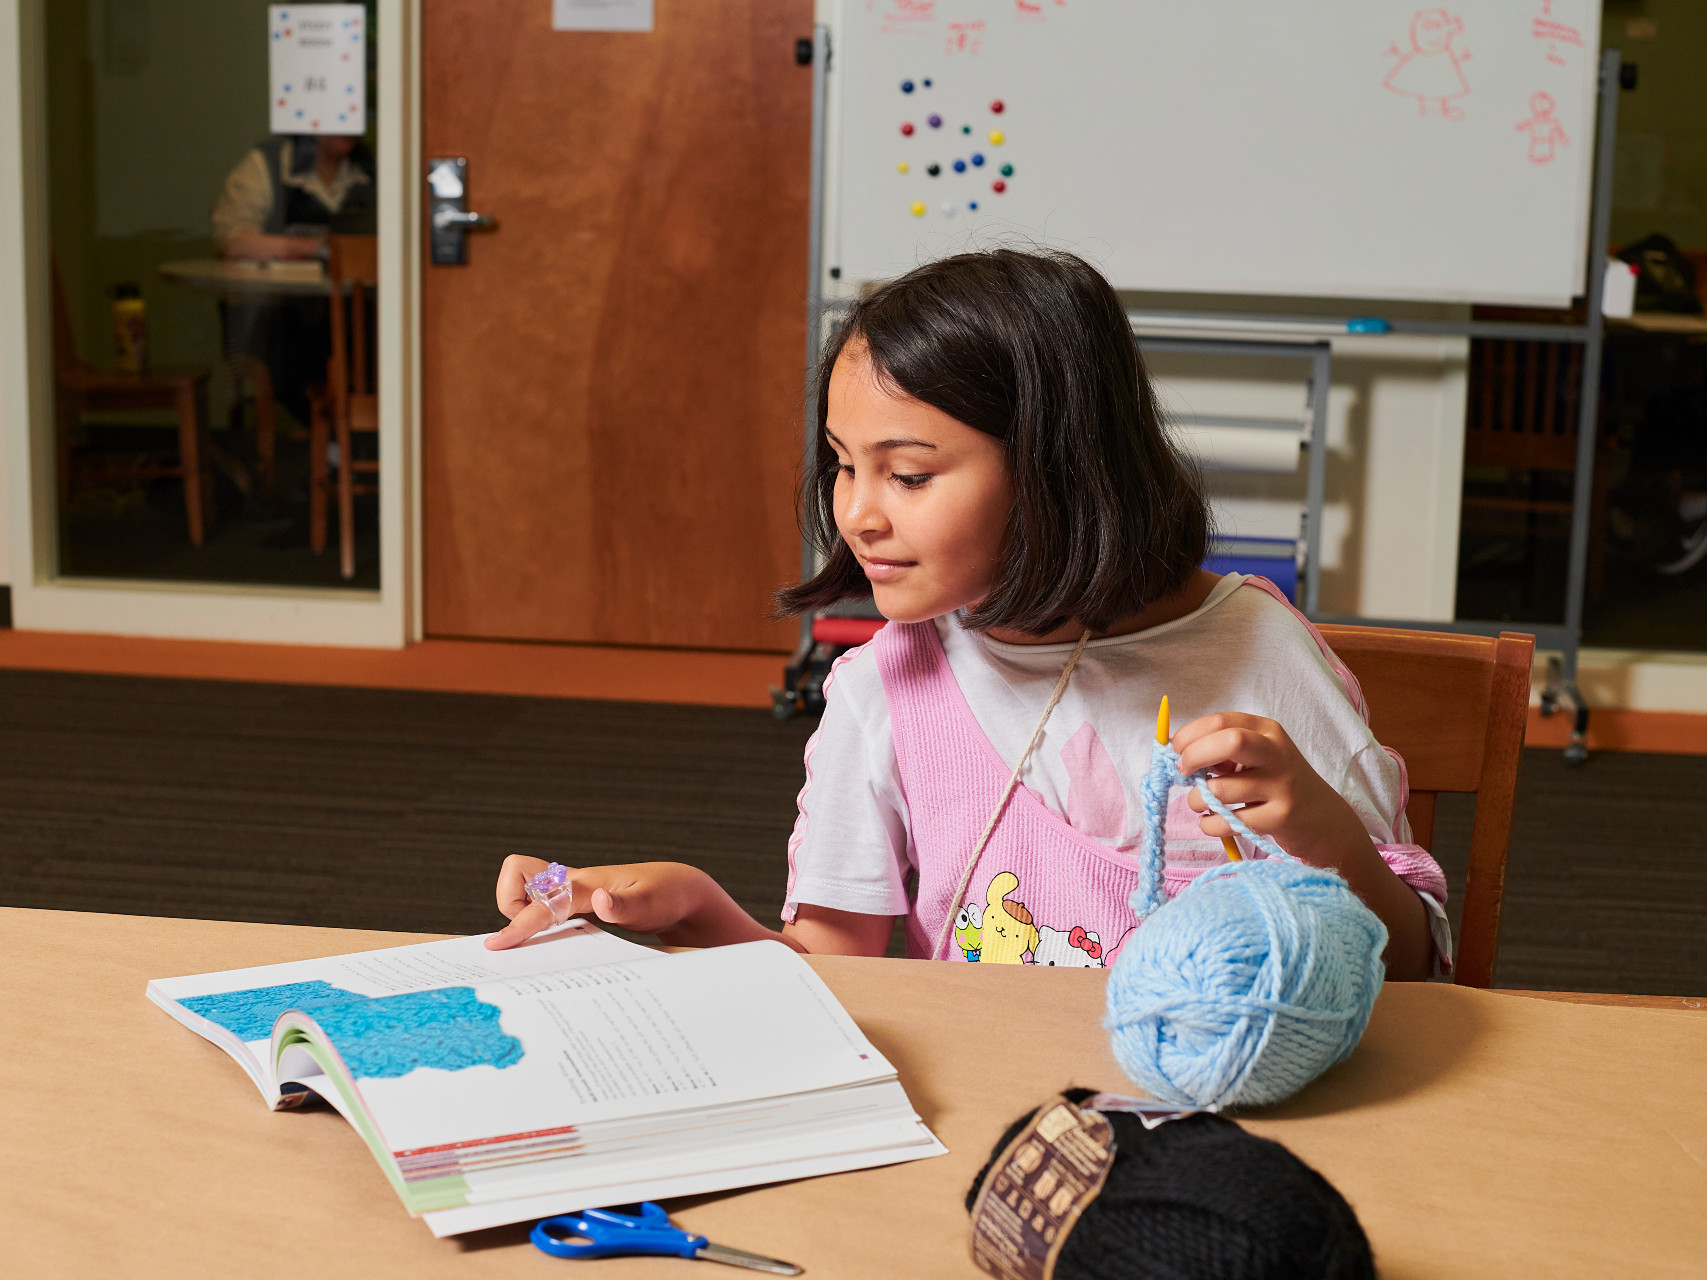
552,890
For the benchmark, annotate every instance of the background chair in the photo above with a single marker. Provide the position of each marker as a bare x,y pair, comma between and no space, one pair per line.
1456,708
1521,416
348,404
81,388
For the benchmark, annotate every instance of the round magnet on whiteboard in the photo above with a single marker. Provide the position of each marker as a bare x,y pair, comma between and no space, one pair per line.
906,86
933,169
918,208
966,128
948,208
927,83
998,106
977,158
1007,171
902,167
960,166
972,204
935,122
997,137
907,129
998,186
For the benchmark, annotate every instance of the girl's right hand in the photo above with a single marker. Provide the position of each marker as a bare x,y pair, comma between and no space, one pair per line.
647,897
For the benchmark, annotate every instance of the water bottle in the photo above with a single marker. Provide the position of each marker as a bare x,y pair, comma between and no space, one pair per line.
130,328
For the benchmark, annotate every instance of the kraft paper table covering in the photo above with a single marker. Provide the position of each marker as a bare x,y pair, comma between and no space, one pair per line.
1475,1133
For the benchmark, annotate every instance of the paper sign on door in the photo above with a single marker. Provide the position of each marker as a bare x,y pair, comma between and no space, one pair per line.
319,68
601,15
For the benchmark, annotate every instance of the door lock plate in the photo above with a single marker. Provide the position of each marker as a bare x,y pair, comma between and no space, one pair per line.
449,219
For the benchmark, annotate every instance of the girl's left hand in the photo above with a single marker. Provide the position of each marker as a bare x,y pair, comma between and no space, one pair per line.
1255,764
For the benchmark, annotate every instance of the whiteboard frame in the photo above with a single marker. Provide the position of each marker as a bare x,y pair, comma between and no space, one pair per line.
835,218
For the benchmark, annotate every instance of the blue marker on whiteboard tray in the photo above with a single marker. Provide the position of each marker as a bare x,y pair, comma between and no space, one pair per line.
1367,324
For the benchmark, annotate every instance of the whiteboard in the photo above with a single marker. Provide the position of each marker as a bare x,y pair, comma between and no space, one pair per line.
1343,148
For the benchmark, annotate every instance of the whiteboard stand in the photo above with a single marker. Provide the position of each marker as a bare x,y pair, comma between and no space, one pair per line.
803,679
1320,357
1566,637
802,688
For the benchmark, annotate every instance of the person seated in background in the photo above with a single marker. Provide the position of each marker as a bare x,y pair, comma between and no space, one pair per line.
284,194
279,202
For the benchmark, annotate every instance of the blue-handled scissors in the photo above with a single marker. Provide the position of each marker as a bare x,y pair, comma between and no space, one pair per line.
605,1233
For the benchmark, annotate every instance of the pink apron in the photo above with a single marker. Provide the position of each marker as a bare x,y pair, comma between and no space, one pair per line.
1043,893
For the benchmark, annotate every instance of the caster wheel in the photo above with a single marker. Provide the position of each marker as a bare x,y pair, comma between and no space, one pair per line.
1549,704
782,705
1576,754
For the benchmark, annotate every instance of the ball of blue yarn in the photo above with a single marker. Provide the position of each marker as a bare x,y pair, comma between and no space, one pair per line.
1258,977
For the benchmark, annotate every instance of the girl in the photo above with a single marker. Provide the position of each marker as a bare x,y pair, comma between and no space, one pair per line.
993,469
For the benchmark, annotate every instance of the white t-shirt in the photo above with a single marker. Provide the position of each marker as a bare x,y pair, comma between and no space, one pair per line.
1241,650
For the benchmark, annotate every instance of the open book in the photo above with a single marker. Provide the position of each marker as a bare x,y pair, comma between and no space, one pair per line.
574,1071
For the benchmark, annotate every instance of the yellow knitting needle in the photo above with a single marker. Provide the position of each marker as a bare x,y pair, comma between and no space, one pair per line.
1228,844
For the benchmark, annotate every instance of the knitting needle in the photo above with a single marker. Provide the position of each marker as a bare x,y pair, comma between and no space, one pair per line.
1229,845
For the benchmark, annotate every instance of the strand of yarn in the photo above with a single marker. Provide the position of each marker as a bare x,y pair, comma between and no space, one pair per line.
1162,776
1007,794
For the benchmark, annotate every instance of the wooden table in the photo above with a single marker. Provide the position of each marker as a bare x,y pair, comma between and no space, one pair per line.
1660,322
1475,1133
242,278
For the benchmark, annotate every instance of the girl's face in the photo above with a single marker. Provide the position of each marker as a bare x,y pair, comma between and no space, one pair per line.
922,499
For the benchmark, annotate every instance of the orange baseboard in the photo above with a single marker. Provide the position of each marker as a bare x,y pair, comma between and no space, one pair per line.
686,676
1617,729
693,677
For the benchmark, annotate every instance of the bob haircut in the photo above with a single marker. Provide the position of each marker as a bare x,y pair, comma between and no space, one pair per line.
1035,350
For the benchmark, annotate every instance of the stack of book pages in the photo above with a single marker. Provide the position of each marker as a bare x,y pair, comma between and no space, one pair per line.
575,1071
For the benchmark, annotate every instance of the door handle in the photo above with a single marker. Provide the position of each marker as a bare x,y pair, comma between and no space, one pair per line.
449,219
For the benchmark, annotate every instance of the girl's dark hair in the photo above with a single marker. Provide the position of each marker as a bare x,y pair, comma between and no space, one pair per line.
1035,350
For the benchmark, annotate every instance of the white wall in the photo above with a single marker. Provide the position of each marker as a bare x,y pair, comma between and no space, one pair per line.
175,107
5,517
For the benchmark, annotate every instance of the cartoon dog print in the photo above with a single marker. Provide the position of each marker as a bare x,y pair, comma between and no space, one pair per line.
1008,931
968,931
1075,948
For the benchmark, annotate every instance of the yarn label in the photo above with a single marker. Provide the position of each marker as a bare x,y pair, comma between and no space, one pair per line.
1036,1190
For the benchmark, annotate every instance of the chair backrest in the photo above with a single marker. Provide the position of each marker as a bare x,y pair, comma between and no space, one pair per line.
1455,707
352,270
65,361
1522,407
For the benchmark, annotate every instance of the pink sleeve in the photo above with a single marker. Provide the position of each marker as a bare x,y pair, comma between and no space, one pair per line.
1412,864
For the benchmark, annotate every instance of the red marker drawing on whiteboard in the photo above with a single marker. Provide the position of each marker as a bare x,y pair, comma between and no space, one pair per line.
1430,70
965,37
1546,134
1556,34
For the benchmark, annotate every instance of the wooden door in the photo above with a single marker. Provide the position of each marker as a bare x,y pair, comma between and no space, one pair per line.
612,386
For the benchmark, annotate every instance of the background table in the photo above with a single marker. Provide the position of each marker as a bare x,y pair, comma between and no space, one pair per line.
241,278
1475,1133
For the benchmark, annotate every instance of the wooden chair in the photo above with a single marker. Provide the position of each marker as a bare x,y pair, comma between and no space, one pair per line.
348,403
1521,415
1455,707
81,388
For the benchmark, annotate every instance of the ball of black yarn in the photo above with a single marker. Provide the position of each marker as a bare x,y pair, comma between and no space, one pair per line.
1201,1199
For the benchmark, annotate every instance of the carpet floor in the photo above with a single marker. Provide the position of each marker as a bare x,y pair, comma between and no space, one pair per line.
380,809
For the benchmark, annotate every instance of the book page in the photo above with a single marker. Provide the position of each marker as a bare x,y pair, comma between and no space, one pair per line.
745,1166
236,1009
527,1056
